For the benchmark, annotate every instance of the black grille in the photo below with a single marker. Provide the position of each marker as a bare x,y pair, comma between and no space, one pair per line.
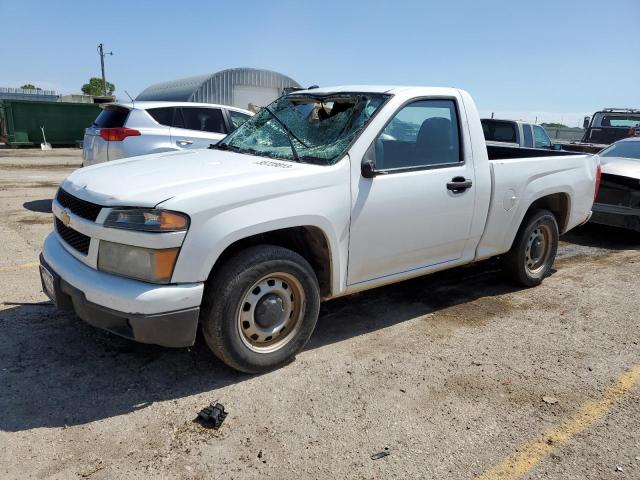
619,190
75,239
82,208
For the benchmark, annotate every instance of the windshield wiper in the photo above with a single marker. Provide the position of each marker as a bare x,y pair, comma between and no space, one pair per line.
290,134
222,146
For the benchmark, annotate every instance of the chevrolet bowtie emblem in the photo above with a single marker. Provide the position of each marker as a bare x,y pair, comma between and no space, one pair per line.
65,218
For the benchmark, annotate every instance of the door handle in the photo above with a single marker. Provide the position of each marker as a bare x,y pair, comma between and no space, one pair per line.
184,142
459,184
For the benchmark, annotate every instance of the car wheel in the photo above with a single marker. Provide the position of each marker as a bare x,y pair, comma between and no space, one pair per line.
534,249
260,308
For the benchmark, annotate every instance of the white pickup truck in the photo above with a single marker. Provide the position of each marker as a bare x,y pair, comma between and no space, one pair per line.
324,193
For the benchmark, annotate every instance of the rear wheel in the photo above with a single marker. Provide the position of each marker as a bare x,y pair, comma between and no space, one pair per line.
260,308
534,249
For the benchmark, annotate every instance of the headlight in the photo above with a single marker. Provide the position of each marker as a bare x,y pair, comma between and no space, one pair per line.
147,264
147,220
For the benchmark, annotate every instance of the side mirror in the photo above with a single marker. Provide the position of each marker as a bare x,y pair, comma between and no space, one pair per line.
368,168
585,122
557,146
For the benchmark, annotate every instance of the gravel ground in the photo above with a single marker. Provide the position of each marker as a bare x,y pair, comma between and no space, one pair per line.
445,373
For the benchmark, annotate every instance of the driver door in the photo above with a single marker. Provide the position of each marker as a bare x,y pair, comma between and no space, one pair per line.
417,210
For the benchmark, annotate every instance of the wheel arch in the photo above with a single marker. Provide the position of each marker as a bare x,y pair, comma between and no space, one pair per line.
557,203
309,241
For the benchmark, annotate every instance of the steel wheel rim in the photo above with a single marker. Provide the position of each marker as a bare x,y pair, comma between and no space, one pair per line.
537,249
270,312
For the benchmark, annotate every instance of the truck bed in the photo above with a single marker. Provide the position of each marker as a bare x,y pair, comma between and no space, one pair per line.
502,152
521,175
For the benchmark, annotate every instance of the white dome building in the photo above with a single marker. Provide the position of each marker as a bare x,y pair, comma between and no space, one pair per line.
237,87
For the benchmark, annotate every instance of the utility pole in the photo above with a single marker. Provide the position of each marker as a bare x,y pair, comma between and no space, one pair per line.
104,80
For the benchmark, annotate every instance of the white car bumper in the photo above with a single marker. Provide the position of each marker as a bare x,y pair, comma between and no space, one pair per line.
160,314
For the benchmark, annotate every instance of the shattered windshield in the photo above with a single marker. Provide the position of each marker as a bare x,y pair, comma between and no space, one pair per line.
306,128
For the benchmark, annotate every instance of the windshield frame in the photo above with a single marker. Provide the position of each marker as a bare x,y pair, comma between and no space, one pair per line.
386,97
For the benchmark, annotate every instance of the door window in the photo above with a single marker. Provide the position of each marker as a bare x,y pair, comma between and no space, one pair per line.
541,137
201,119
423,133
164,115
237,118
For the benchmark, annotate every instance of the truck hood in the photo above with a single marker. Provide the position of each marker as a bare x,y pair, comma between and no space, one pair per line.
148,180
623,167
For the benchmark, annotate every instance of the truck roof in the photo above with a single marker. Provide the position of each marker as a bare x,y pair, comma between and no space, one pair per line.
519,122
372,89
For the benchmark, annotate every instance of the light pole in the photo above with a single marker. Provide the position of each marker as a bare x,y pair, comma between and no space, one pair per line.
102,55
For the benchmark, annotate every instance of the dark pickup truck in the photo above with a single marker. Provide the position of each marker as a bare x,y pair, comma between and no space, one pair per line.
605,127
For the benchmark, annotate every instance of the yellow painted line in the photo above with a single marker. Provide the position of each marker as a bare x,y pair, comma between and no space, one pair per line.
18,267
519,464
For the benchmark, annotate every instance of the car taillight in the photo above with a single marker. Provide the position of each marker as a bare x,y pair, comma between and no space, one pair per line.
598,177
118,134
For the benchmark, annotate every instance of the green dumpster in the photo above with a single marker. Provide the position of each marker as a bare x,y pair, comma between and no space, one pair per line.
63,122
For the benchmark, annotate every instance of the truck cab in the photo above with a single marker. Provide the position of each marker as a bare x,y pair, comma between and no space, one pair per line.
610,125
515,133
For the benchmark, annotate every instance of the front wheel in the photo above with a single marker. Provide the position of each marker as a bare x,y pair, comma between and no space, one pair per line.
534,249
260,308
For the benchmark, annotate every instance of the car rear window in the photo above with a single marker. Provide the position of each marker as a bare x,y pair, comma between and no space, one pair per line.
626,121
164,115
112,117
498,131
626,149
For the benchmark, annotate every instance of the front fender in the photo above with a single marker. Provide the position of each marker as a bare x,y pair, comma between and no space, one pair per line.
213,241
212,232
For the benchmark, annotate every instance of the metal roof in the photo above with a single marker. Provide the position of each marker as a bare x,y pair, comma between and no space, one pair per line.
216,87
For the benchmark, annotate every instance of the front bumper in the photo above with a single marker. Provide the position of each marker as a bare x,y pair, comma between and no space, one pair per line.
616,216
164,315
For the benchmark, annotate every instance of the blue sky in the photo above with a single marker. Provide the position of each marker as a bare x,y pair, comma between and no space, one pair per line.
547,59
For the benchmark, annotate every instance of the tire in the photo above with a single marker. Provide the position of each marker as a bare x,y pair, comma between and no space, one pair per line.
260,308
534,249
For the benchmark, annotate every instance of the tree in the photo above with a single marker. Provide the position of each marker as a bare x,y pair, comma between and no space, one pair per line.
554,125
94,87
30,86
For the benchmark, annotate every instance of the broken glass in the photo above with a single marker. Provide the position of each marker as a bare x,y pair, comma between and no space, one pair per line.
320,127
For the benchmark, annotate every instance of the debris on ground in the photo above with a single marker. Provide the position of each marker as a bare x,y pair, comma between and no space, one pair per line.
96,469
212,416
550,400
382,454
619,469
